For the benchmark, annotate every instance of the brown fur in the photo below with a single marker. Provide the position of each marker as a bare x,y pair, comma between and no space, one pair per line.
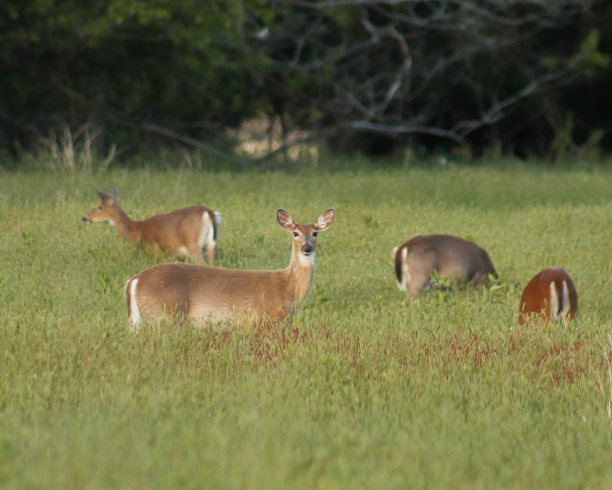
537,301
163,234
448,256
204,293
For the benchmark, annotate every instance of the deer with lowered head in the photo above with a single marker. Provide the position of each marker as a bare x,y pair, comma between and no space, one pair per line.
183,232
549,296
450,257
209,294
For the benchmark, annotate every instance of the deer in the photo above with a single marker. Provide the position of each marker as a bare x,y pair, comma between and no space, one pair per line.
447,256
182,233
205,294
550,296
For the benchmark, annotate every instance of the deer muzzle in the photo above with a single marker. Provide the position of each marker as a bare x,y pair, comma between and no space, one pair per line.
307,248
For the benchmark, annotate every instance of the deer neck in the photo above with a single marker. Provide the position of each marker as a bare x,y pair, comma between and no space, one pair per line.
300,275
127,228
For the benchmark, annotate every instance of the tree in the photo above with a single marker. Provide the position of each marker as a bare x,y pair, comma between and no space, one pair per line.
367,75
179,64
438,72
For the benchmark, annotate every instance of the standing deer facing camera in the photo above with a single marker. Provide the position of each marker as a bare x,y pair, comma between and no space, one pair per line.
449,256
184,232
202,293
550,296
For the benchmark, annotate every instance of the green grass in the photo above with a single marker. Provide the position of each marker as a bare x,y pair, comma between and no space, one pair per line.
363,390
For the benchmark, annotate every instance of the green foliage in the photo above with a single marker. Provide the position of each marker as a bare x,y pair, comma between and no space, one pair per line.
590,57
565,149
564,142
375,76
362,390
176,63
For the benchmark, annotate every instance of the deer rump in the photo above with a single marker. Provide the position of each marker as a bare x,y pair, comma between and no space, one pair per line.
448,256
172,233
549,295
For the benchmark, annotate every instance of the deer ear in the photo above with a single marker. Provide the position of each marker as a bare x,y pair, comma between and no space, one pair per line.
104,197
325,220
285,219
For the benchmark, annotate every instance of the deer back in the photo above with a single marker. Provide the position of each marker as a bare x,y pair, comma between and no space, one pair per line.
204,293
183,232
449,256
550,295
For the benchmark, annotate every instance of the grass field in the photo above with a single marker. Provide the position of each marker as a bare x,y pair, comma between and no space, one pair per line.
362,390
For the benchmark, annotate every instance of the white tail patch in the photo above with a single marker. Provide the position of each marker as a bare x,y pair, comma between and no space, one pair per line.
206,235
213,236
565,302
553,307
405,270
210,234
135,316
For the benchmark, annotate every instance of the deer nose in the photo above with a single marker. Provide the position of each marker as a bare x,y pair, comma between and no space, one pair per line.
83,218
307,248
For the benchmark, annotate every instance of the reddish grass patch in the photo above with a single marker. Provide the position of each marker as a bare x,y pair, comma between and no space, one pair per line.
446,353
559,360
548,357
268,342
562,361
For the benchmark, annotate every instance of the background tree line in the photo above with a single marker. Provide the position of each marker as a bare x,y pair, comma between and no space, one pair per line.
530,78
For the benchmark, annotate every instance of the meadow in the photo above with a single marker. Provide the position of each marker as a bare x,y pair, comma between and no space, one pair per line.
361,390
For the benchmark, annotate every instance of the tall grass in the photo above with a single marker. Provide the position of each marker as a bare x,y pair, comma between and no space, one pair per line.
362,390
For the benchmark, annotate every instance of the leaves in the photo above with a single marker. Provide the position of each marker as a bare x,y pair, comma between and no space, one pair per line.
367,75
589,58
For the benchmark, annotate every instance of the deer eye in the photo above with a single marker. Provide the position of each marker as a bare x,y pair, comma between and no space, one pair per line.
296,234
100,208
315,233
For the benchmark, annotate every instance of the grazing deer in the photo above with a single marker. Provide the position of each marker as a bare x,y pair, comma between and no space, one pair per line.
550,295
202,293
183,232
447,256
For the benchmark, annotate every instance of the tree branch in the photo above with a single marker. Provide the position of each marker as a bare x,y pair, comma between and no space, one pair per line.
112,116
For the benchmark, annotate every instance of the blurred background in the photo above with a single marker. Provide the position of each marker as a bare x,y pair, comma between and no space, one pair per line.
257,79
